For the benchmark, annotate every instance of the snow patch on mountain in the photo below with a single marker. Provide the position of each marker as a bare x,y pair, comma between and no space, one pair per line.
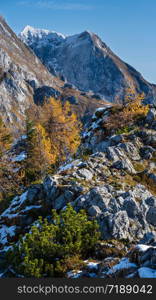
31,34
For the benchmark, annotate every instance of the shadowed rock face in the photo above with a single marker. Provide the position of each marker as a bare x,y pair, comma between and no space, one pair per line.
85,61
45,92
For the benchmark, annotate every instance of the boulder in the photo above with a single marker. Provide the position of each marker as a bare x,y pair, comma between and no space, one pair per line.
152,177
151,201
116,139
119,225
59,202
85,173
72,100
94,211
49,182
131,207
139,192
125,165
148,239
35,193
151,116
44,92
151,216
131,150
69,86
146,152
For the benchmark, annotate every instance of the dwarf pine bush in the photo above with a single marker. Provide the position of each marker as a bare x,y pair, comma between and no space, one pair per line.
45,251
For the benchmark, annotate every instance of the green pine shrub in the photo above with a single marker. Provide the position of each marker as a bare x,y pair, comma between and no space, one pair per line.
51,246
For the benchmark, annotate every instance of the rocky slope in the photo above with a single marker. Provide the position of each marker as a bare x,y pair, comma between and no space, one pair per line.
139,262
87,62
115,184
21,75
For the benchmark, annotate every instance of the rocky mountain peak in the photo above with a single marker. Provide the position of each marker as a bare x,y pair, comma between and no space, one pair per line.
85,61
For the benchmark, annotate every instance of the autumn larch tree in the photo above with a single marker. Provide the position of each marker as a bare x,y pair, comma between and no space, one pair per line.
5,138
62,127
38,149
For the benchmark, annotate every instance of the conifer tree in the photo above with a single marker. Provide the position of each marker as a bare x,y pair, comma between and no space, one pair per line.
62,127
5,138
38,149
8,179
125,116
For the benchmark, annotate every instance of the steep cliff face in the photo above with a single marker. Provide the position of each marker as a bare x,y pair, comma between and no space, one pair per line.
21,74
88,63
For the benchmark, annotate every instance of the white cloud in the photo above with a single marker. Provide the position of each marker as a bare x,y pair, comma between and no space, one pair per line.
59,5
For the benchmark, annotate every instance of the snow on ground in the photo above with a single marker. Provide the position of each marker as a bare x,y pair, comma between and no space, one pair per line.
95,125
145,272
92,265
19,157
70,165
10,216
23,137
16,203
86,134
143,248
5,231
6,248
74,274
101,109
15,170
123,264
66,167
31,207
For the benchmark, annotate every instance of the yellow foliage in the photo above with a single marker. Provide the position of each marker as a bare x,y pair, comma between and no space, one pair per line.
134,105
39,156
127,115
62,127
5,138
52,137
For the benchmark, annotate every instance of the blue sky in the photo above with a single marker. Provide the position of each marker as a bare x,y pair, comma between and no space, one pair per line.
126,26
